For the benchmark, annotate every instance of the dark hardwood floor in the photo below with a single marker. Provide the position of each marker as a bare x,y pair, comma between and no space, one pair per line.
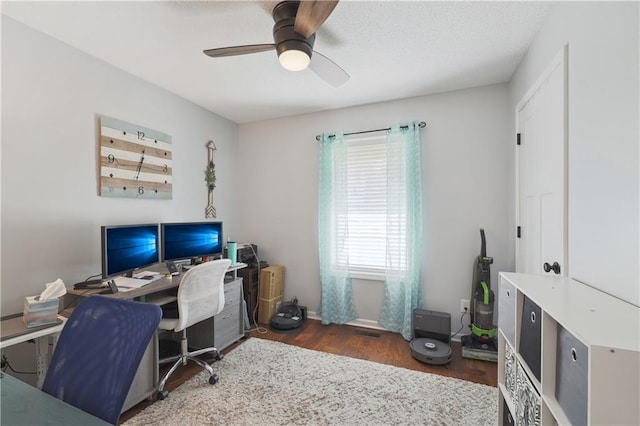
373,345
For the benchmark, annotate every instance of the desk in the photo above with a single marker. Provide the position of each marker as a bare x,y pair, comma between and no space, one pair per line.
21,404
153,288
222,329
16,328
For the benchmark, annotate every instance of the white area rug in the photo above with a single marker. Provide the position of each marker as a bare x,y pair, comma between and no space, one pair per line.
271,383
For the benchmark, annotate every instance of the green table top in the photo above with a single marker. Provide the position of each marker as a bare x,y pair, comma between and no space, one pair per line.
21,404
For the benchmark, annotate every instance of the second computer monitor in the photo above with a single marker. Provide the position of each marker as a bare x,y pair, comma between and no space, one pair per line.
191,240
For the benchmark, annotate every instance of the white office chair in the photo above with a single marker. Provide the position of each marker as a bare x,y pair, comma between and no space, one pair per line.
200,296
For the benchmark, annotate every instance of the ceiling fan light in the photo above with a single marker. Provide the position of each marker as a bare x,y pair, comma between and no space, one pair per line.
294,60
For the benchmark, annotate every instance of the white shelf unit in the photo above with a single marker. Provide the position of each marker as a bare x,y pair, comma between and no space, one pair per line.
589,353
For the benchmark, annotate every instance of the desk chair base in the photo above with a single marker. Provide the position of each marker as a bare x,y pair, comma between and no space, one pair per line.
182,359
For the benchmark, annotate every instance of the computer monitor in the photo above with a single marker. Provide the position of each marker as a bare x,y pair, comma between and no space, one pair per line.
126,248
191,240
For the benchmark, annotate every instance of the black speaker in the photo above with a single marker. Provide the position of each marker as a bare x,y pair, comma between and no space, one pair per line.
432,324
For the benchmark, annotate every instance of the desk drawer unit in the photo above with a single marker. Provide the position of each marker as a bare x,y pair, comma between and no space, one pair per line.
225,328
232,294
226,324
145,381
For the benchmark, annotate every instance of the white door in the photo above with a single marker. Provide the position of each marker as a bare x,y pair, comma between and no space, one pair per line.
541,209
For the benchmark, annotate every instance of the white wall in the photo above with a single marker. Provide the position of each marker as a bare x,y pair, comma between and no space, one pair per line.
603,119
52,96
465,187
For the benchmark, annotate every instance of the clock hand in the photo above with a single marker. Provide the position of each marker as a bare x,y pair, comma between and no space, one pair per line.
139,167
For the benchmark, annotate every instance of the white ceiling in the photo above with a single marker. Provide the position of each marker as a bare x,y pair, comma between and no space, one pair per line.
391,49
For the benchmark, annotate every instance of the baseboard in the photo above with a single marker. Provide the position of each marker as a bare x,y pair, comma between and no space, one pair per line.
364,323
359,322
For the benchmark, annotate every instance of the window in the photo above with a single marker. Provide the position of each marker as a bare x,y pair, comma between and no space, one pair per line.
374,233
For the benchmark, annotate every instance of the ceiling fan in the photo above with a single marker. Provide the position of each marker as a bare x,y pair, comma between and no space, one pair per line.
296,23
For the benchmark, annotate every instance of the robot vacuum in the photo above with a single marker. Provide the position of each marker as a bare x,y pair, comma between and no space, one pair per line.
289,317
430,351
432,331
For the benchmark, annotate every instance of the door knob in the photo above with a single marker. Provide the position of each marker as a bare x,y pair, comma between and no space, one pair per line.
555,267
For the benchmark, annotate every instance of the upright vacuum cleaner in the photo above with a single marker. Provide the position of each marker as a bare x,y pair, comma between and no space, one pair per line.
481,344
482,298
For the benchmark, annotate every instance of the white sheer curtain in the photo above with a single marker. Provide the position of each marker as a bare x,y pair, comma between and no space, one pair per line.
336,302
402,291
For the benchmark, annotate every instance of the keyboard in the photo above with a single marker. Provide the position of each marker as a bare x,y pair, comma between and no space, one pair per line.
127,282
88,284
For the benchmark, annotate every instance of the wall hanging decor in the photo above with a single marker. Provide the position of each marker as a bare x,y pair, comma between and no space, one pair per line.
135,162
210,178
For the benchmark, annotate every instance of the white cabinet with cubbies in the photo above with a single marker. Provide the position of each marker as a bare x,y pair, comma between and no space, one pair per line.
567,353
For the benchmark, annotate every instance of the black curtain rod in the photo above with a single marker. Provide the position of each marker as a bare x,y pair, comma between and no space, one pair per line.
421,124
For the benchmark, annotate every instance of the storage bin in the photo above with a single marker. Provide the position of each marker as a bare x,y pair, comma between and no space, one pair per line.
507,418
530,336
272,282
529,403
510,373
37,313
572,363
507,310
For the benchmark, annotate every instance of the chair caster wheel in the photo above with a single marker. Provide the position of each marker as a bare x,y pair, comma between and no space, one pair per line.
219,356
213,379
163,394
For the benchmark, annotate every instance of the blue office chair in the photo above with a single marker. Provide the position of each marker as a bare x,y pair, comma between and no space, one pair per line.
98,354
200,296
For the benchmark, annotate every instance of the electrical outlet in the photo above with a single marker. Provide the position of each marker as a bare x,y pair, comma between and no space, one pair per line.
464,305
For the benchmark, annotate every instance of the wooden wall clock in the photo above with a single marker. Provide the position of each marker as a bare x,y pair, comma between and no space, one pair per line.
135,162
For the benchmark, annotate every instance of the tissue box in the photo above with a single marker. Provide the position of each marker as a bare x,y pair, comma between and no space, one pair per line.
37,313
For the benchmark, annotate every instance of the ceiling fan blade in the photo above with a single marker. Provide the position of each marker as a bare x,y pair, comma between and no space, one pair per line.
238,50
328,70
311,14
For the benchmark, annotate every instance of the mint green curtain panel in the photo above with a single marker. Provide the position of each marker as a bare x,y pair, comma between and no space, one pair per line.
402,291
336,303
